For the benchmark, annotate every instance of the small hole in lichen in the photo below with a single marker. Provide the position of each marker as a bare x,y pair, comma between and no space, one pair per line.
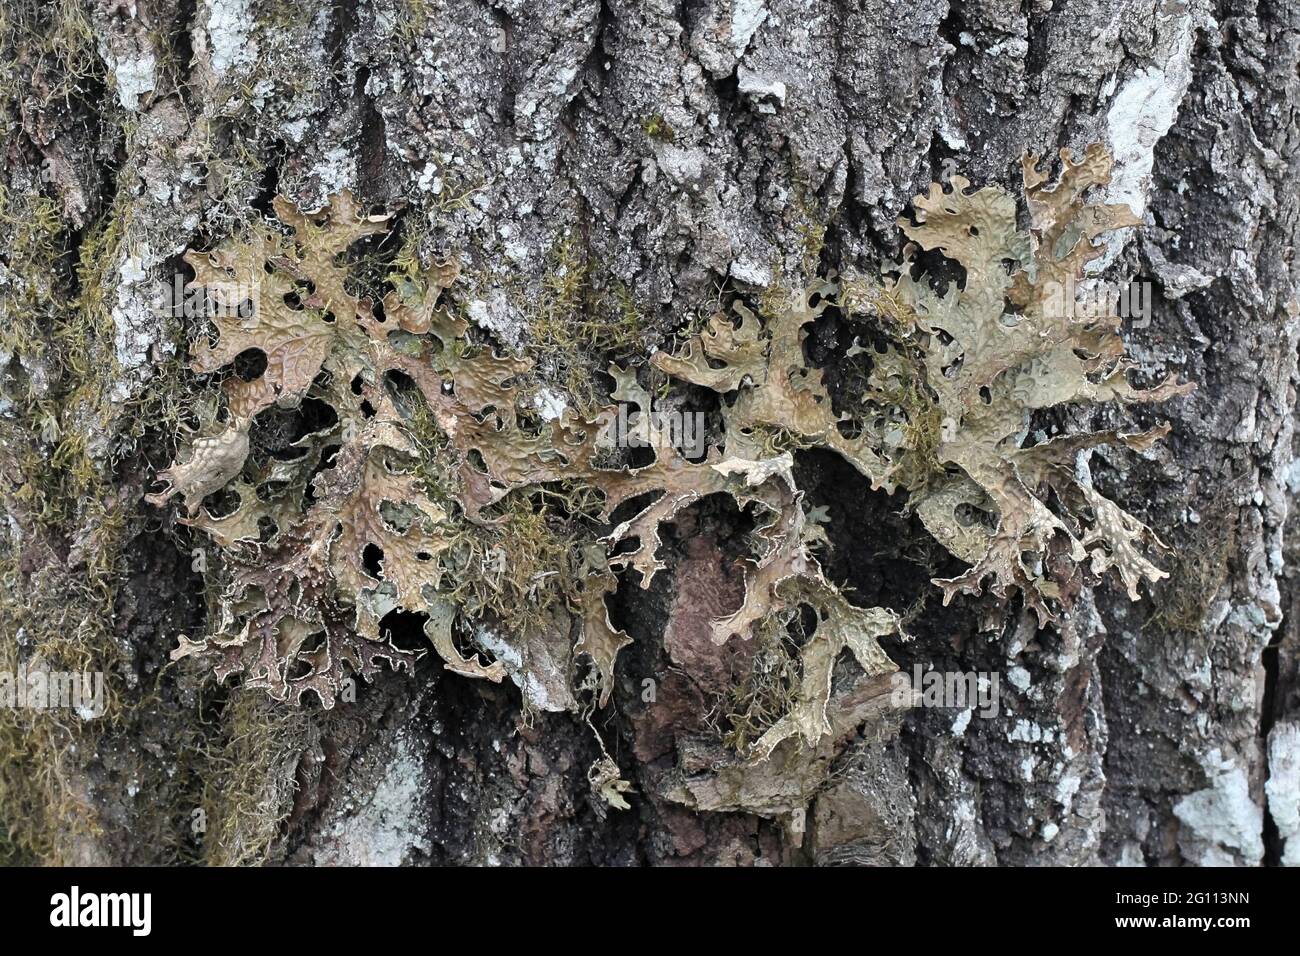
635,505
640,457
317,416
401,386
223,503
968,516
372,559
303,664
269,491
628,545
849,428
304,661
804,624
405,629
250,364
398,516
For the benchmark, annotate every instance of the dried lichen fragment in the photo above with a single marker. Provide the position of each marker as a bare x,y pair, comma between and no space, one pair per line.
600,640
608,784
212,463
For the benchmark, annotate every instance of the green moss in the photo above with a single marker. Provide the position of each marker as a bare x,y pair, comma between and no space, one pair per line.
516,570
413,19
579,322
248,780
62,566
808,221
53,40
656,127
763,692
40,813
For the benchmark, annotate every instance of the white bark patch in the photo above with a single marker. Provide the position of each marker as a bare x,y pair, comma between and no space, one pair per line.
1142,112
135,322
227,26
767,91
134,78
391,823
495,314
751,272
336,171
746,17
1283,787
550,405
1222,819
543,681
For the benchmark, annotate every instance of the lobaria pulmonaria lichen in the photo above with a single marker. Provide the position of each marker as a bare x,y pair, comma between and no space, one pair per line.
426,483
975,362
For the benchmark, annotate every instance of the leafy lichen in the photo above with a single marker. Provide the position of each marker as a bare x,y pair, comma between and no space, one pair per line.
430,485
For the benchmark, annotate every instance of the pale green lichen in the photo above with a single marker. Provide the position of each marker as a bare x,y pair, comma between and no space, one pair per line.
434,488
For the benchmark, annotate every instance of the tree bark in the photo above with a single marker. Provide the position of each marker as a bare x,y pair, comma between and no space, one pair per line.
686,147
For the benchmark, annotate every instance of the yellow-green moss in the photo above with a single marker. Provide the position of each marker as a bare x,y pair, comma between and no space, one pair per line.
579,321
248,780
656,127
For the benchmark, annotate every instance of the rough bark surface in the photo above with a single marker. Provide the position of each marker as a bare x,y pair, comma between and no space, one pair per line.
689,146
